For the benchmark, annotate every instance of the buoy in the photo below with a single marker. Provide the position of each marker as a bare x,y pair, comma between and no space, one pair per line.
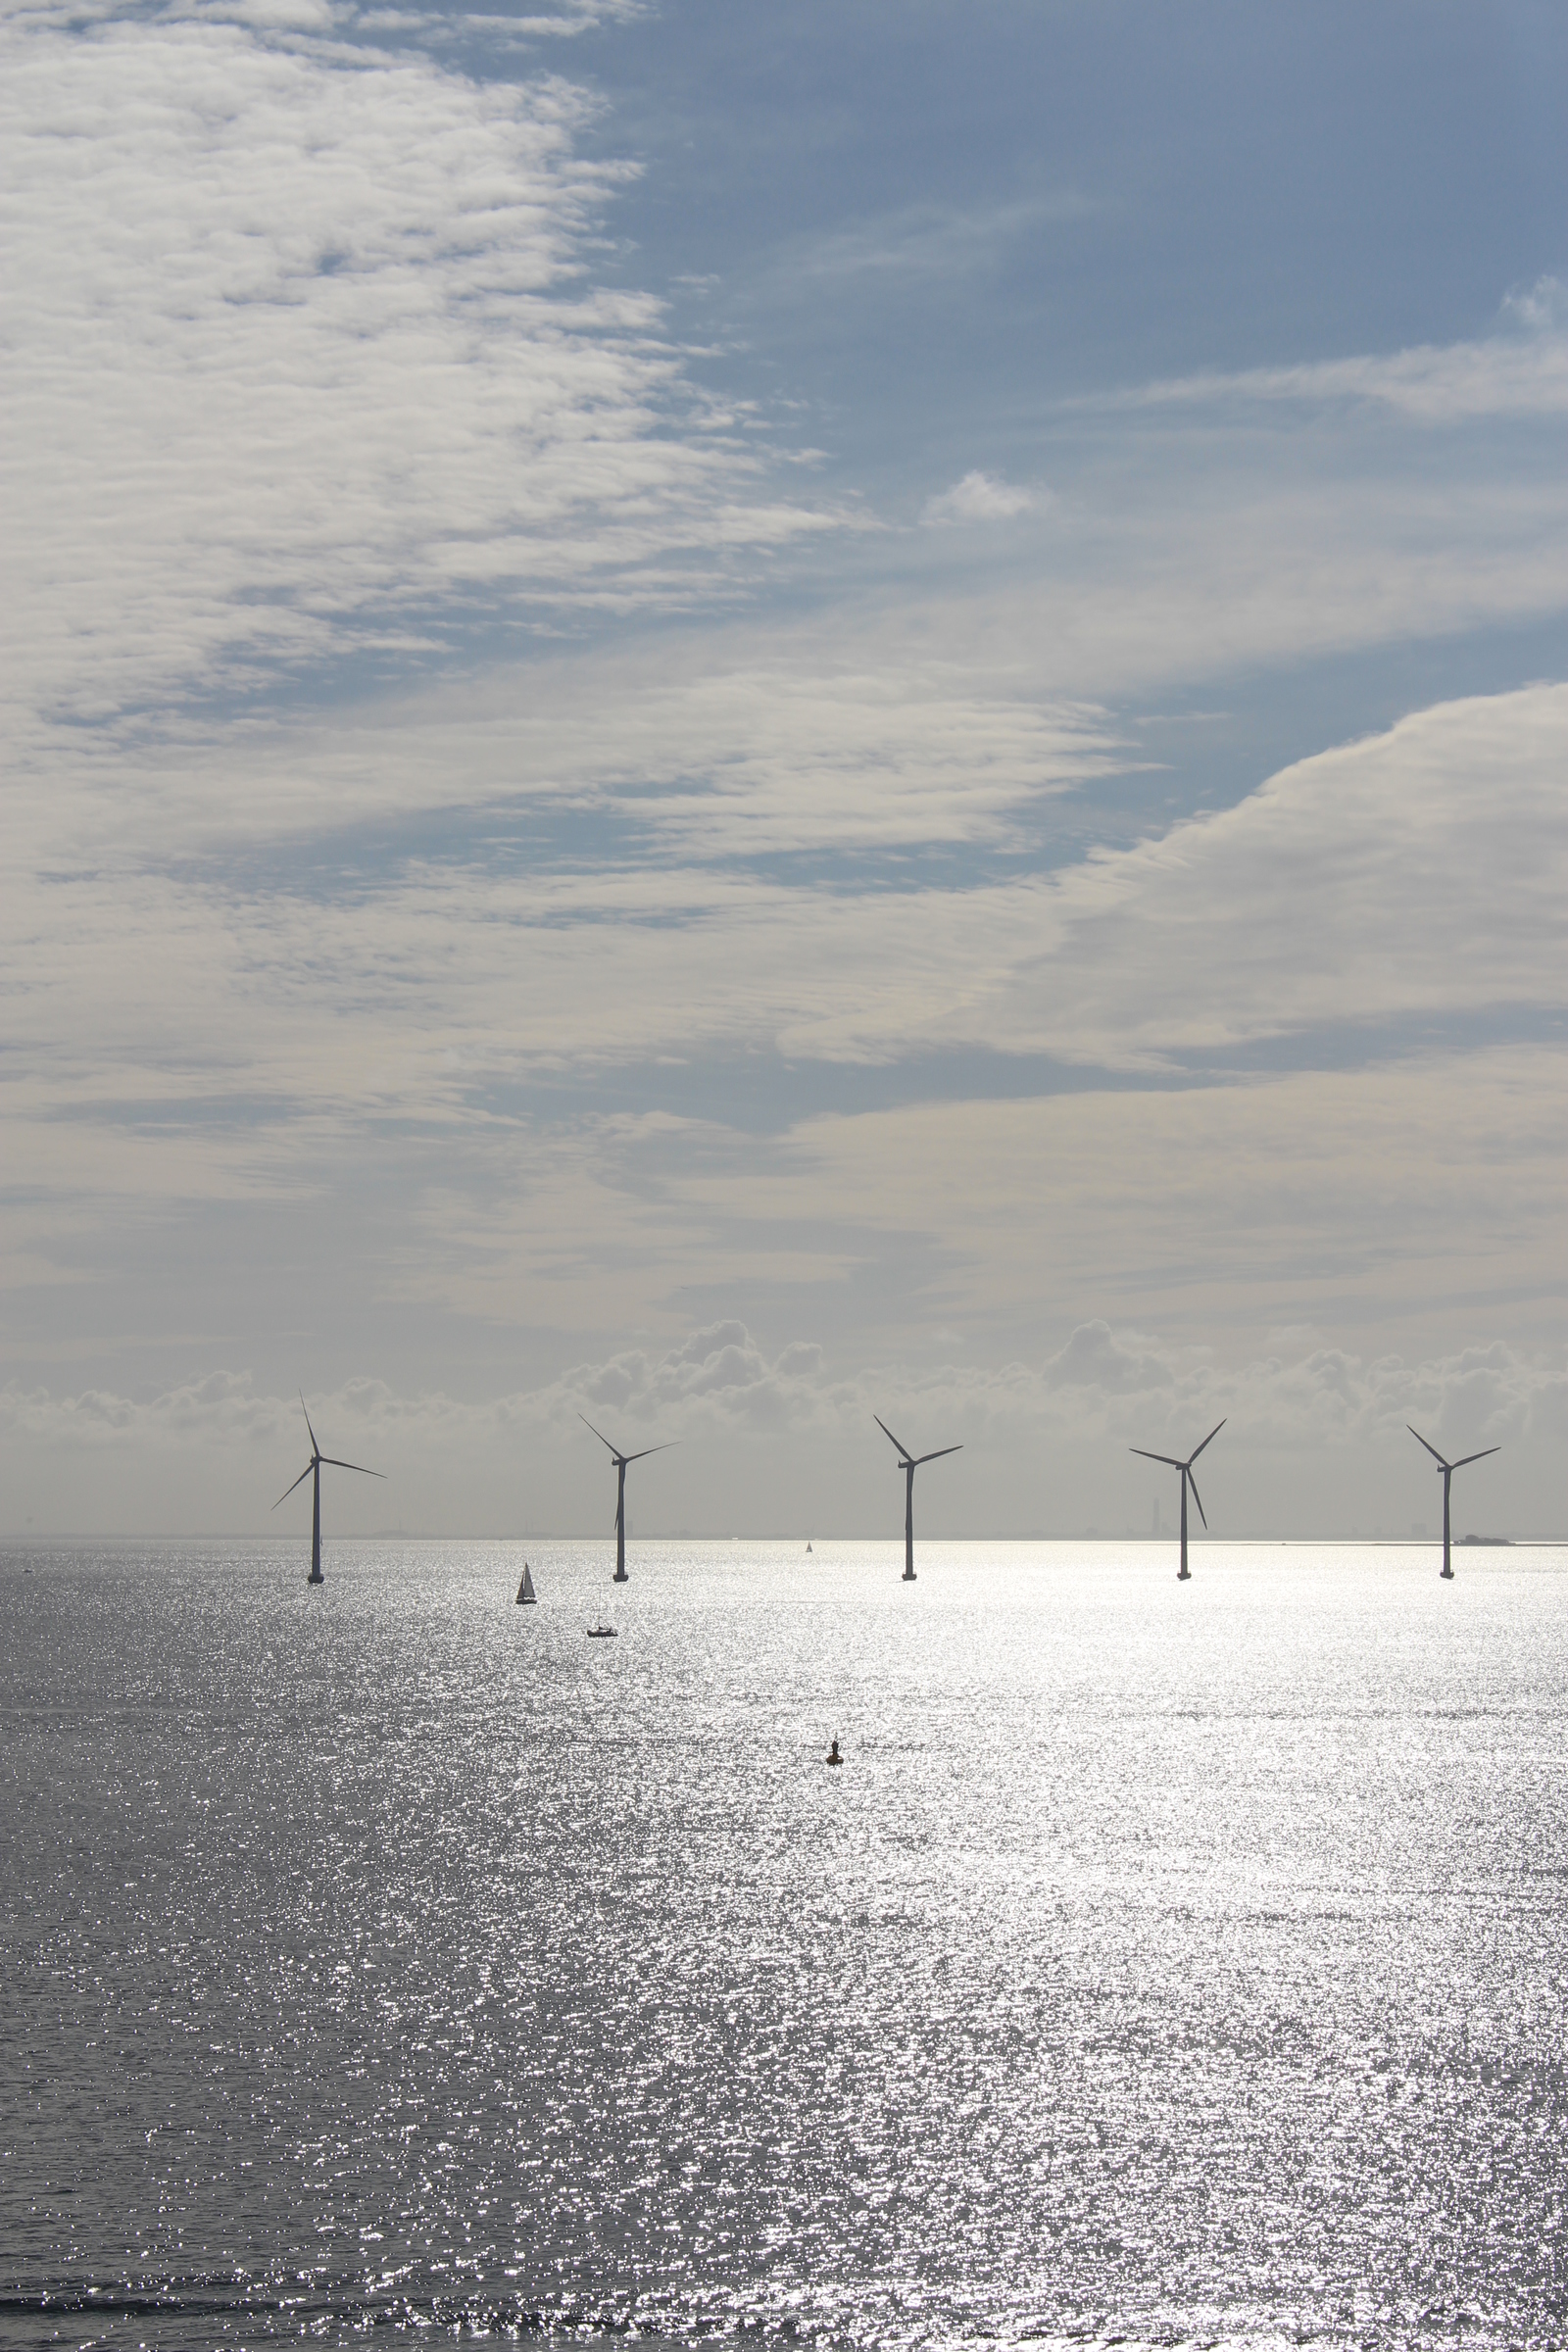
833,1755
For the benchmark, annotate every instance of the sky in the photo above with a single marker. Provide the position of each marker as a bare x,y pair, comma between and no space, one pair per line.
732,719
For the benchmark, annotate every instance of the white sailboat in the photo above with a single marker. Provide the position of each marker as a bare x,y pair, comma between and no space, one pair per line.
525,1591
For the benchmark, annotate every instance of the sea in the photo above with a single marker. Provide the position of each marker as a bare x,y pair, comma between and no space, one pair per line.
1164,1965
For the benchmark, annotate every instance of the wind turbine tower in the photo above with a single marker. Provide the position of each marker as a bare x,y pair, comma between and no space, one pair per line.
1184,1573
620,1460
313,1471
1449,1469
910,1464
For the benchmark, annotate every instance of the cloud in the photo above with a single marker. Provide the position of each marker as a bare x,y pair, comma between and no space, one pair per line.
315,380
1094,1358
1541,308
978,497
552,1066
1401,1198
305,360
1416,874
923,240
718,1377
719,1381
1414,877
741,1418
1523,374
667,1070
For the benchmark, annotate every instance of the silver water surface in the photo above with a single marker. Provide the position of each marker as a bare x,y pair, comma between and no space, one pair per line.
1165,1964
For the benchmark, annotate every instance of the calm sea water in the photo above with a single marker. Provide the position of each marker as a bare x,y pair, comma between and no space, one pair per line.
1165,1965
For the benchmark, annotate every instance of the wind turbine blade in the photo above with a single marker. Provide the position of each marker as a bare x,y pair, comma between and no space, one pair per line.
314,1449
598,1433
359,1466
1157,1457
1186,1473
299,1481
648,1449
1197,1449
887,1433
937,1456
1475,1457
1432,1449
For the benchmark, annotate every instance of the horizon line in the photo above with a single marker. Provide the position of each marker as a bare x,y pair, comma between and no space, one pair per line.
284,1540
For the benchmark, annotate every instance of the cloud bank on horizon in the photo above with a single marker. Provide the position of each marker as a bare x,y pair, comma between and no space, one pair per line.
1057,1432
577,834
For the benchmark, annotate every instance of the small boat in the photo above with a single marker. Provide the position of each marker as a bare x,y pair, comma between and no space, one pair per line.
525,1591
807,1546
601,1632
833,1755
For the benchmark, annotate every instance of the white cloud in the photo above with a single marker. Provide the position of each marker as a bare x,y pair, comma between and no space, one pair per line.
747,1424
1522,374
919,240
1402,1199
978,497
1421,872
1541,308
310,369
719,1381
174,1036
303,356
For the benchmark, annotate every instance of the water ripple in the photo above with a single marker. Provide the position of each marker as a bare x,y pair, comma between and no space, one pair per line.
1164,1968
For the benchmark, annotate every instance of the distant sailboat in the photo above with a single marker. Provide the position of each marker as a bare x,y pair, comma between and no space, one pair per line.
807,1546
525,1591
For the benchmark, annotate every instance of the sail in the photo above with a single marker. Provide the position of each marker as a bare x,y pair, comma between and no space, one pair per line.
525,1591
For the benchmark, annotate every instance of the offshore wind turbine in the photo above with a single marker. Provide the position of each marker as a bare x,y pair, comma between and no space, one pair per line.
1449,1469
312,1469
620,1461
910,1464
1184,1573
